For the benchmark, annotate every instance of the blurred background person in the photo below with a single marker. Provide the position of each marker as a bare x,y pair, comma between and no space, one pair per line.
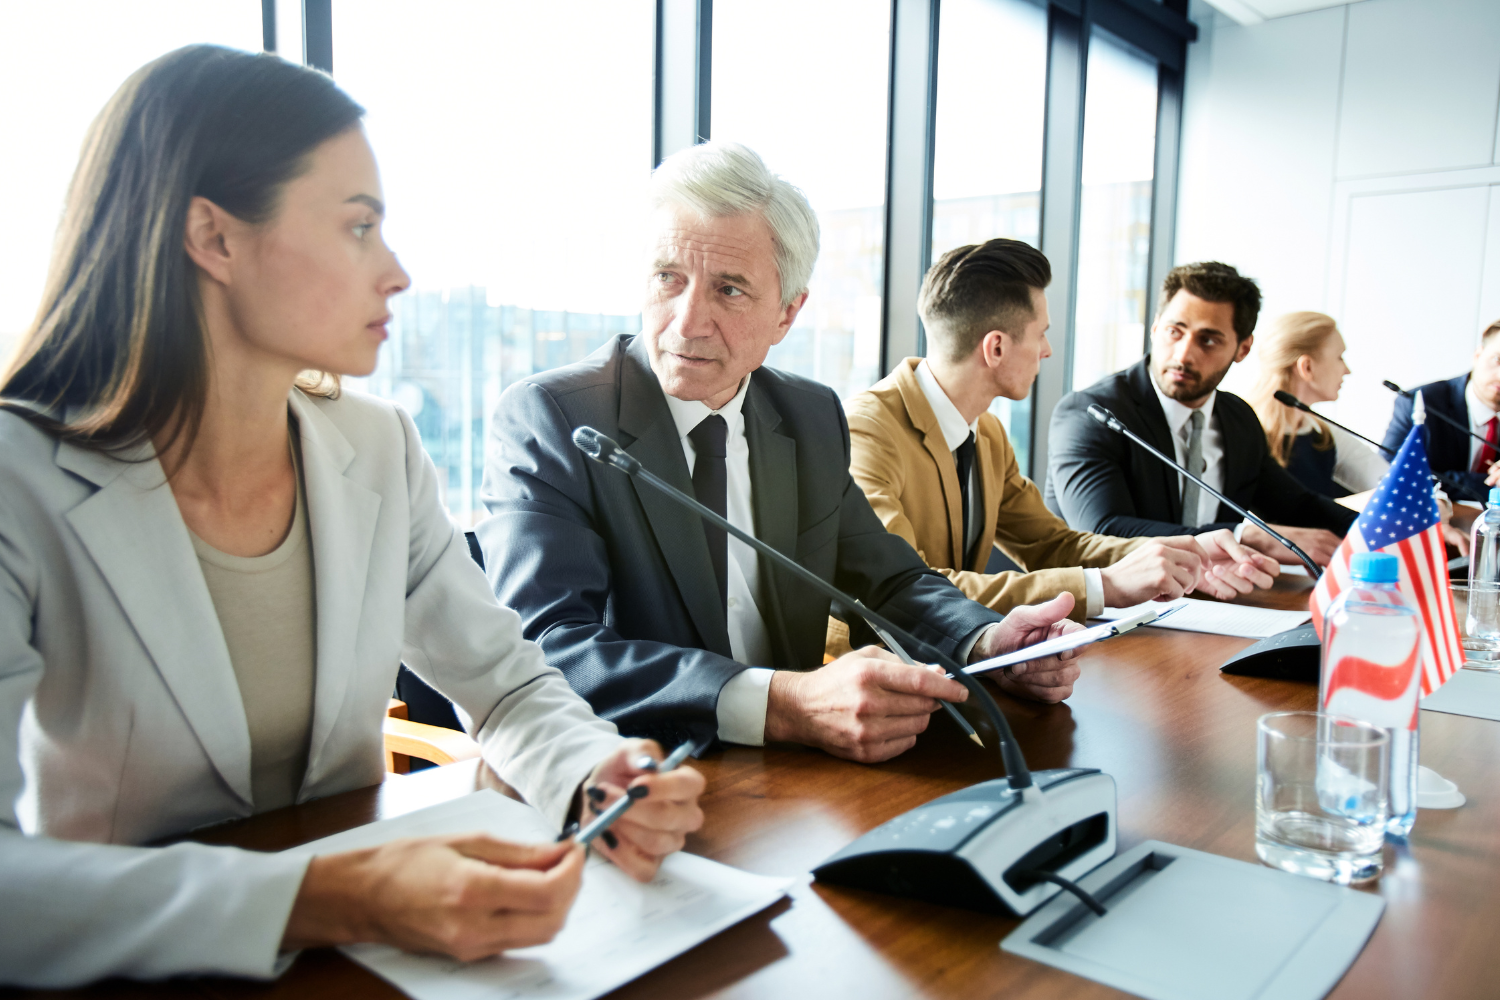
1303,353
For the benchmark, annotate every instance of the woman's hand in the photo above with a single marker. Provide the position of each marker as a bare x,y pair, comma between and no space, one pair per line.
657,824
469,896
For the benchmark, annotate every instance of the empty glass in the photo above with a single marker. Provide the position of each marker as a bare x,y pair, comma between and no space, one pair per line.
1481,599
1321,796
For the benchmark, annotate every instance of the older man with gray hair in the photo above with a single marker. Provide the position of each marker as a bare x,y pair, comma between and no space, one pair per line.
668,627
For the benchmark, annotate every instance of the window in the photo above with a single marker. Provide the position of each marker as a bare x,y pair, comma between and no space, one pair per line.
1114,229
67,57
514,141
812,102
987,160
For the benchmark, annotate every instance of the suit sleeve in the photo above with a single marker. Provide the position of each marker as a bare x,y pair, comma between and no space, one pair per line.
1281,499
547,560
77,912
884,570
1400,425
1088,477
534,730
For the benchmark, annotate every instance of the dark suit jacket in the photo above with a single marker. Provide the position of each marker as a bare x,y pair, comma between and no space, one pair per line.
614,580
1100,481
1447,446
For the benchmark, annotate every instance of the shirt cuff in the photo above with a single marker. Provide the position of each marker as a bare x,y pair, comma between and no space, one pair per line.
1239,530
966,648
742,707
1093,591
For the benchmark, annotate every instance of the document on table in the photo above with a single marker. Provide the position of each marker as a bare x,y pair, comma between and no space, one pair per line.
617,930
1221,619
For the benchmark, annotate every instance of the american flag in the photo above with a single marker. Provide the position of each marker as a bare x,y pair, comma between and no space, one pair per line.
1402,518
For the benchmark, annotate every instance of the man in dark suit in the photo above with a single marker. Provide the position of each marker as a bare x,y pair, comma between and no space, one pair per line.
1472,399
667,627
1099,481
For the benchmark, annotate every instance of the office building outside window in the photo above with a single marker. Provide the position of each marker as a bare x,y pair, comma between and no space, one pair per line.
64,60
987,158
1114,231
514,141
812,102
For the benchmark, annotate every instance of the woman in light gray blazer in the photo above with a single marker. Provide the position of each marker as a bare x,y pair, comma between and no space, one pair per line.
212,563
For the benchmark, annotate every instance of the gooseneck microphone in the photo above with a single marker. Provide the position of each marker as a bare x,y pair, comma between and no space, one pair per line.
607,451
1113,422
1287,399
1409,393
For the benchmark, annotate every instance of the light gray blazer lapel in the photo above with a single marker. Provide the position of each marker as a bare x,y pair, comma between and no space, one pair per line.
135,534
342,517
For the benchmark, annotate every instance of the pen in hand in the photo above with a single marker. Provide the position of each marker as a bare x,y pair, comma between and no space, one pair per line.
604,820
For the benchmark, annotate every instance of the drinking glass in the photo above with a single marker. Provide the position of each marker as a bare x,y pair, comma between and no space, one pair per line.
1321,796
1479,654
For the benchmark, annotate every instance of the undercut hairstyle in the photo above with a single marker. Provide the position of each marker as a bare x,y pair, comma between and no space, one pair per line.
1215,282
722,179
118,353
978,288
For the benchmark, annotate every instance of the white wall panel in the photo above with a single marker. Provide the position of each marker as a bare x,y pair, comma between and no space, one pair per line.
1420,86
1489,288
1408,307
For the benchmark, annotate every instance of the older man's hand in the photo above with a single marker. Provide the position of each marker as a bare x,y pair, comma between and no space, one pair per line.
1229,568
1048,679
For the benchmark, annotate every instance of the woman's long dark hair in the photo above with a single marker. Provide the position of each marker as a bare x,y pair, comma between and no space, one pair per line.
118,352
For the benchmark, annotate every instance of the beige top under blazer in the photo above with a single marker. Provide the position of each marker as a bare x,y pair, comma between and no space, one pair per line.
123,721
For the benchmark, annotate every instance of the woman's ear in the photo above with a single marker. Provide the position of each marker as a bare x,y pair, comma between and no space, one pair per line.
1303,368
205,237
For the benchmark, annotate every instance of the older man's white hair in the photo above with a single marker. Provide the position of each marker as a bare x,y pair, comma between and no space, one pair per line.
718,179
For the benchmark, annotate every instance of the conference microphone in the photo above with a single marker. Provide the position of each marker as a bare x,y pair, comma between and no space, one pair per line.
1411,394
1287,399
1019,836
1113,422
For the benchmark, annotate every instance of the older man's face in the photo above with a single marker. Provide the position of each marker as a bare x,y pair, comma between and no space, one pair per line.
713,309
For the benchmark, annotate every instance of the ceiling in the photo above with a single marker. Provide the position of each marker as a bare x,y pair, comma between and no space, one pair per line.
1256,11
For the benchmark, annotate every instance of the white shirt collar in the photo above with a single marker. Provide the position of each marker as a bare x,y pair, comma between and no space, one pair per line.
1178,414
950,421
689,413
1479,414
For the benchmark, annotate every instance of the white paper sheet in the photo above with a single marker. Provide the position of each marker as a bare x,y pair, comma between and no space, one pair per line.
1475,693
1221,619
617,930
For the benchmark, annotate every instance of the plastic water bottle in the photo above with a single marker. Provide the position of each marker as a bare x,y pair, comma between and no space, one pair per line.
1482,623
1372,671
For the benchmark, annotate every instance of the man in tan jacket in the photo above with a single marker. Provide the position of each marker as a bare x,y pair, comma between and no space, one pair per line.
940,472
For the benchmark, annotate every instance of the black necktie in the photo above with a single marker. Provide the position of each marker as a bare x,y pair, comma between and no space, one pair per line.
964,456
711,485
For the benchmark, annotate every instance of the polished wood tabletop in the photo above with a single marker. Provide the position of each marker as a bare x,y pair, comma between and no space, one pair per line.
1151,709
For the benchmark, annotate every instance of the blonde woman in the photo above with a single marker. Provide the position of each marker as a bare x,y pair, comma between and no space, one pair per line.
1303,353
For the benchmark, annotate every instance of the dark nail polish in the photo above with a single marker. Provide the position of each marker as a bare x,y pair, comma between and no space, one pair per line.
638,791
609,838
595,793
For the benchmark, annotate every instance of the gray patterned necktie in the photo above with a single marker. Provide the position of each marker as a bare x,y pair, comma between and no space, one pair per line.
1196,465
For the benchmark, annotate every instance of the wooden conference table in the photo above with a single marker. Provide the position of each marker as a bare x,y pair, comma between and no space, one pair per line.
1151,709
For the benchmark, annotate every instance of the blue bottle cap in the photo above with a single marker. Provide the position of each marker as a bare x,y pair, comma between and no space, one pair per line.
1494,495
1375,567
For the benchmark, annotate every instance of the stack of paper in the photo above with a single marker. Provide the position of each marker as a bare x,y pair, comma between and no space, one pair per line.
617,929
1221,619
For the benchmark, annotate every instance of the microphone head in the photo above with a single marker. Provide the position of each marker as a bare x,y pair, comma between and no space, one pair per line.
1395,388
590,442
1104,416
1287,399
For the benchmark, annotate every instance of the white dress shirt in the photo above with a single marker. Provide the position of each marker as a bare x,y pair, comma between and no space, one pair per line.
955,432
741,707
1177,415
1479,418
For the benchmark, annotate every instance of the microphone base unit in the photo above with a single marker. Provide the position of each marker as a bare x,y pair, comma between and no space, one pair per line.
1293,655
971,848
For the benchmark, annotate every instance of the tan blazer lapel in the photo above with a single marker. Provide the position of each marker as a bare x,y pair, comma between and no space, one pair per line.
135,534
342,517
989,484
925,421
